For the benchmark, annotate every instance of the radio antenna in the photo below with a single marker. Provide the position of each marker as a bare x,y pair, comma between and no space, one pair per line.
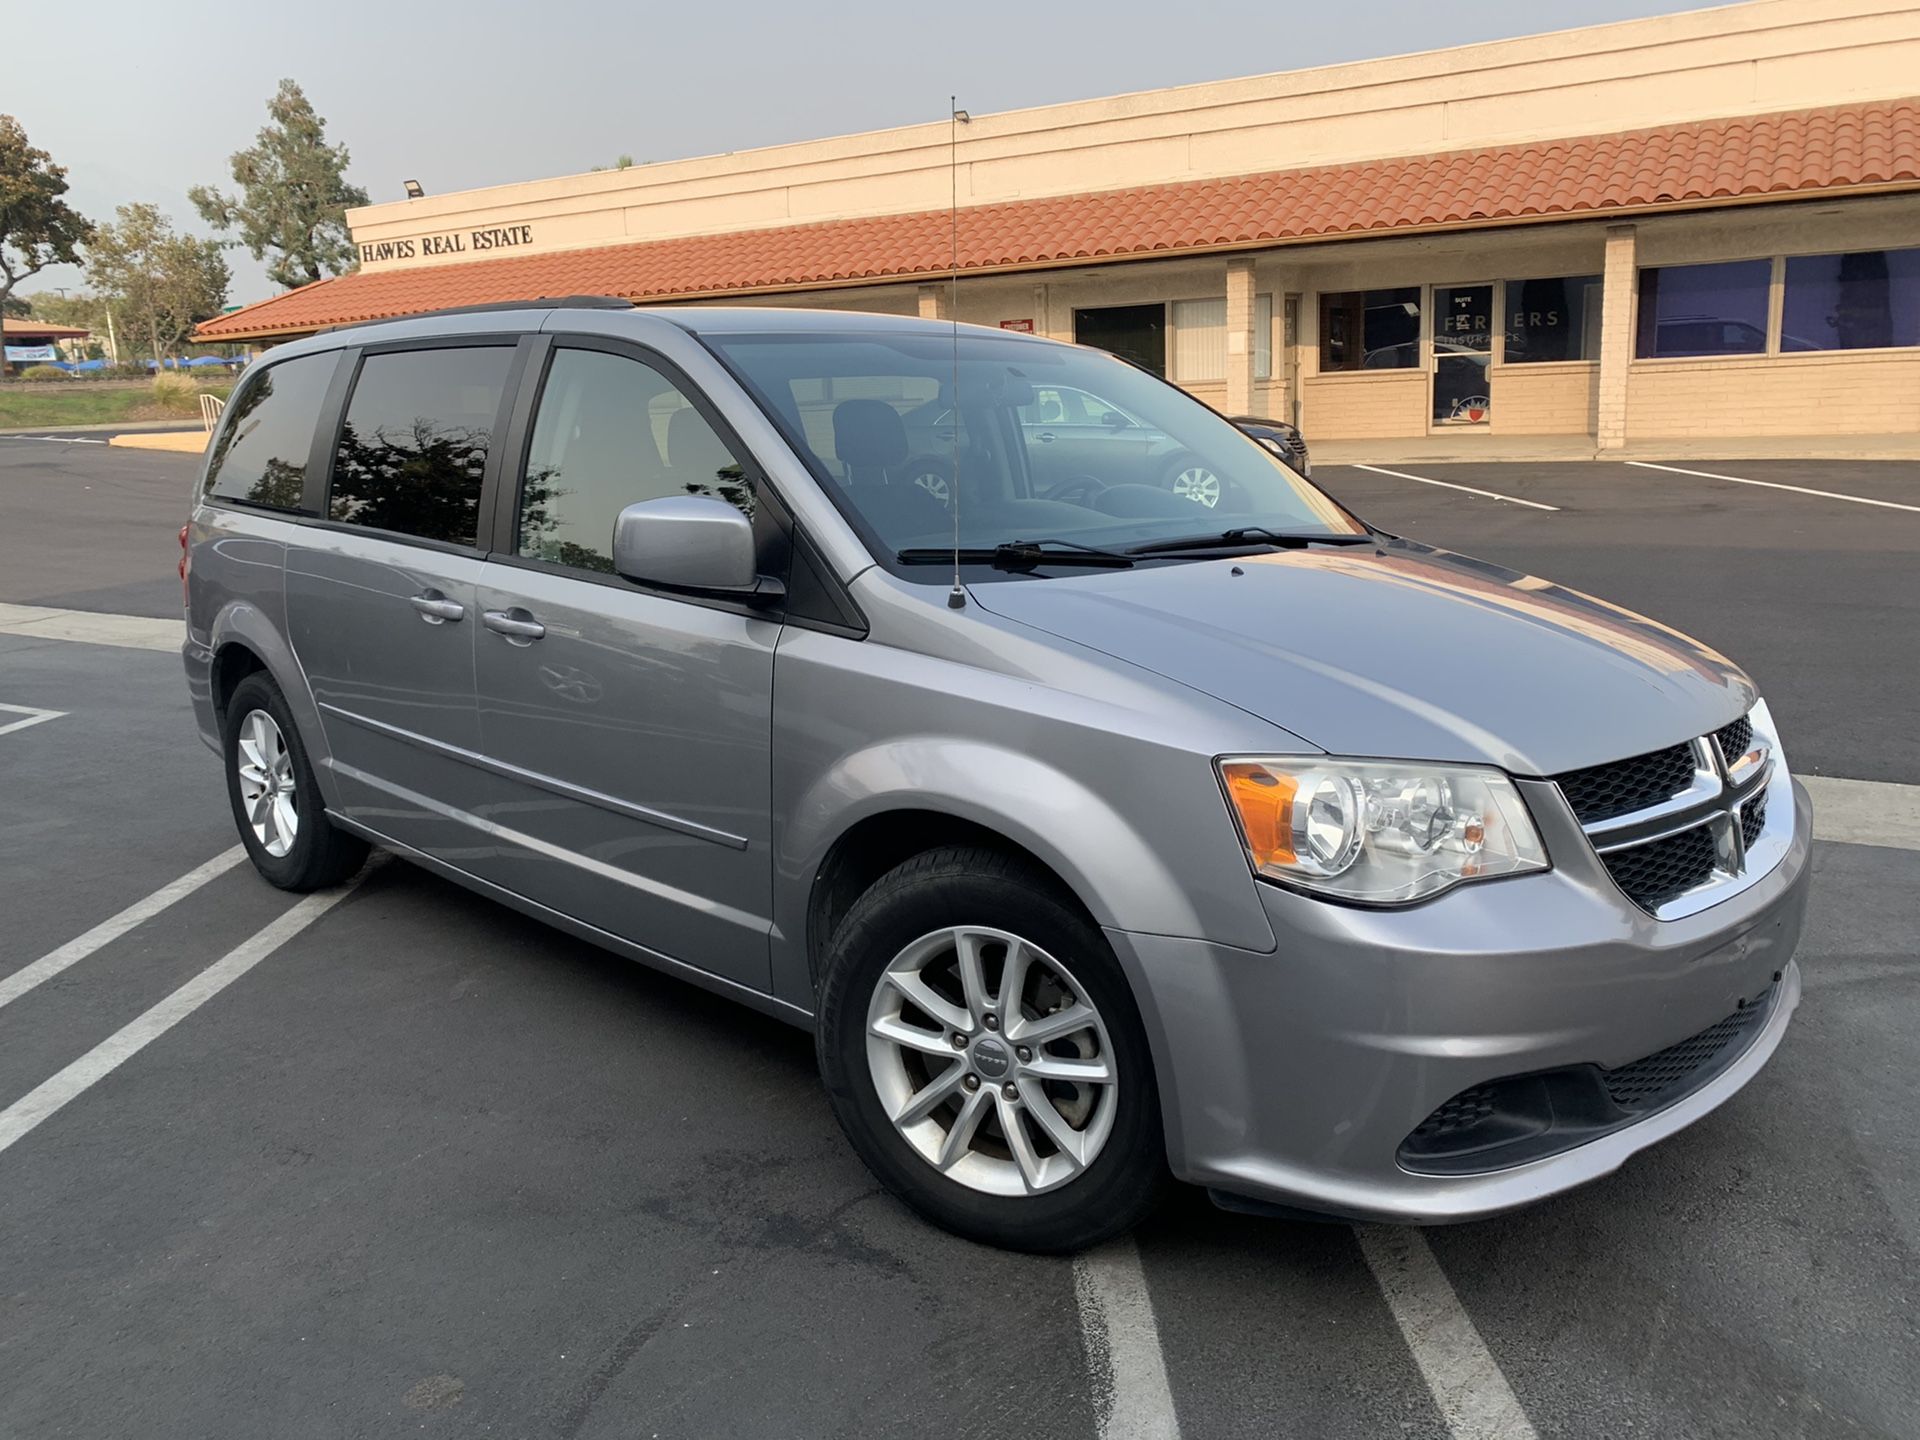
956,597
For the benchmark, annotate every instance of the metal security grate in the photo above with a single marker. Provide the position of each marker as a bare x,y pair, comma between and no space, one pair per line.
1601,792
1753,819
1735,738
1638,1085
1656,872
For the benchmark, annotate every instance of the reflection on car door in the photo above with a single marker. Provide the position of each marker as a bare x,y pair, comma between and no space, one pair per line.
627,732
381,606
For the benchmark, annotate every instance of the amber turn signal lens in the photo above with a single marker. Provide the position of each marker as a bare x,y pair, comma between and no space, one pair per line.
1264,803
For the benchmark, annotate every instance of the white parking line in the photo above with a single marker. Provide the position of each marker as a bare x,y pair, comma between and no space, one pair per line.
1777,485
44,1100
88,627
56,439
1474,1398
1864,812
1449,485
1131,1397
33,717
13,986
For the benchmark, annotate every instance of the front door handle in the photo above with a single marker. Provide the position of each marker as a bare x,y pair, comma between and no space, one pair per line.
1045,437
516,624
437,609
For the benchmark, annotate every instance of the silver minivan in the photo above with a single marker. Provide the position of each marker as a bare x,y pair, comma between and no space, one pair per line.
1099,836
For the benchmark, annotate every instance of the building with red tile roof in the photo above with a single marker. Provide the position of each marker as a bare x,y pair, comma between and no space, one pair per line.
1666,228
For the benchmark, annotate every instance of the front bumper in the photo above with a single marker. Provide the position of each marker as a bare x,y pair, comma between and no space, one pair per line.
1294,1077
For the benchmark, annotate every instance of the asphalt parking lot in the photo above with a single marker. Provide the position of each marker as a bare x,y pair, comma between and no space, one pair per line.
426,1166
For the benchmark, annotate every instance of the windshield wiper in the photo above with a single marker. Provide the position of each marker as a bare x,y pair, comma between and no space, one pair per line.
1020,555
1248,535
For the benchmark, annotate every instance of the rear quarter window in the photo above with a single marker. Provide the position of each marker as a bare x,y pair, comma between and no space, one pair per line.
261,455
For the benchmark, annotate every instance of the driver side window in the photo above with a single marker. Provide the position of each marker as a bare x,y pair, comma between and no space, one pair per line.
610,432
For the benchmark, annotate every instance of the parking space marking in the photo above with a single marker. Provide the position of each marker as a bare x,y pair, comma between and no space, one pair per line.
1450,485
33,717
57,439
1130,1392
90,627
13,986
1778,485
1864,812
19,1118
1474,1397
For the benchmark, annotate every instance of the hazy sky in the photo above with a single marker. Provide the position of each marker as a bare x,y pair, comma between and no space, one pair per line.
140,100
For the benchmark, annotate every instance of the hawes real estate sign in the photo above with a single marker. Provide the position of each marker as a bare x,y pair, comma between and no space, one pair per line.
451,242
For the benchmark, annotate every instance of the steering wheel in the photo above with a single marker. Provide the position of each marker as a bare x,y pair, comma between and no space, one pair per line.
1077,489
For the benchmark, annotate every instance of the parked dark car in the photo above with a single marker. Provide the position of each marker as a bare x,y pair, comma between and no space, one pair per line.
1284,439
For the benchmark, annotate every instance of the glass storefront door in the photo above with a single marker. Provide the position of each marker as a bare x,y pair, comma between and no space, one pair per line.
1462,354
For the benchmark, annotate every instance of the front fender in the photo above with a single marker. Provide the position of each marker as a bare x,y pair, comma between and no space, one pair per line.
1186,878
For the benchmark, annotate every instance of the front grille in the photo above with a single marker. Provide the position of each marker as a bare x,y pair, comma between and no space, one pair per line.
1753,819
1660,870
1638,1085
1735,738
1601,792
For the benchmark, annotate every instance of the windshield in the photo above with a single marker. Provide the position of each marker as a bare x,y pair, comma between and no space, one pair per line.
1040,442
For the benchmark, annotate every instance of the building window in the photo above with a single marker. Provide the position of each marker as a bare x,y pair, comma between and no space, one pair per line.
1704,309
1200,339
1556,319
1865,300
1370,330
1133,332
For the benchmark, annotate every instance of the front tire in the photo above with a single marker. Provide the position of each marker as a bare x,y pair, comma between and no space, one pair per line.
276,802
983,1053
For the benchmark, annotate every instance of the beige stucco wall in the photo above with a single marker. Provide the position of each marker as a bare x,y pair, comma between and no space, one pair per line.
1835,393
1739,59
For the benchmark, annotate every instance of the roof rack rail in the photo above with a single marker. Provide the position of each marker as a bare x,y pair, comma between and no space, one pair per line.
543,302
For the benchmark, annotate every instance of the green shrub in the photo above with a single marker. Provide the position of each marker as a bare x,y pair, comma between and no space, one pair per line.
44,372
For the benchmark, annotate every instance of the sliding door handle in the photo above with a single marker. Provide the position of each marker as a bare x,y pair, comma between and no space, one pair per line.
516,624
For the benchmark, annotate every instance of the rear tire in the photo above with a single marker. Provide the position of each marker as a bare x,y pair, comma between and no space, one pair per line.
1070,1003
276,802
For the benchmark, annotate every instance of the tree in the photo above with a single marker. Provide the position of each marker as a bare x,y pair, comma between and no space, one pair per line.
37,227
293,195
161,284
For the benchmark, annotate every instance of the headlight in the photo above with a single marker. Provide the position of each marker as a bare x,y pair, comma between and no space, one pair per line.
1379,832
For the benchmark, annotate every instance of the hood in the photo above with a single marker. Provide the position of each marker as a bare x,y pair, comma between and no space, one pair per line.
1402,652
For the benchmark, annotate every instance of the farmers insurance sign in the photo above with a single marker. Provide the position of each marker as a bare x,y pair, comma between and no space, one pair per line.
452,242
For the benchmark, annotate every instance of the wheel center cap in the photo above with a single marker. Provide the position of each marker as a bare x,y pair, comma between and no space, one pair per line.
991,1058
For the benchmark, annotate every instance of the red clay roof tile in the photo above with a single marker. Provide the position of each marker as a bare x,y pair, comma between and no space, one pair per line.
1798,151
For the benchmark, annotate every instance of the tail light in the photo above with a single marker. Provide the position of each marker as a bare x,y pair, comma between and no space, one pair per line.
186,564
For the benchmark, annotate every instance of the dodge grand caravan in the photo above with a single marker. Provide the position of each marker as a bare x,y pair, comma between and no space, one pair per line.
1099,836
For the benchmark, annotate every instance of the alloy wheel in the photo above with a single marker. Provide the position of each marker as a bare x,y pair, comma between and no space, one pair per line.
991,1061
265,768
1198,484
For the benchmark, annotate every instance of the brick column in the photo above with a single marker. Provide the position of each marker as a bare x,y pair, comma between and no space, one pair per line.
1616,337
933,302
1240,337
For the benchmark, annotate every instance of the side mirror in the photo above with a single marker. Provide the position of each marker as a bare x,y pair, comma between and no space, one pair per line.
690,542
1114,420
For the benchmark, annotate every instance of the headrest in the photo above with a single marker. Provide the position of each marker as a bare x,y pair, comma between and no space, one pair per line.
692,445
869,433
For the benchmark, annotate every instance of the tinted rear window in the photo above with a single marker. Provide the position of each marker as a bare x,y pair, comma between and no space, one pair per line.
413,448
261,456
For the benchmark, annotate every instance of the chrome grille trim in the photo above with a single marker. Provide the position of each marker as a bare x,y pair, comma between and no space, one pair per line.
1744,800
